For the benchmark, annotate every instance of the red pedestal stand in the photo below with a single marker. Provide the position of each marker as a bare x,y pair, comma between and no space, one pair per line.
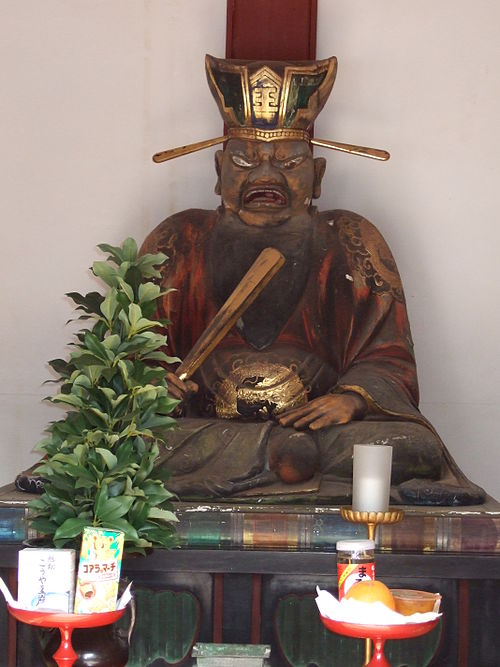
65,655
378,634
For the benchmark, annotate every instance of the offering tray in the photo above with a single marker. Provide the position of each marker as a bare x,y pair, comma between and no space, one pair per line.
378,634
65,655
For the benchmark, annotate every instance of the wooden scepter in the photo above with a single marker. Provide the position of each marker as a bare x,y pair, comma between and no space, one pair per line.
267,264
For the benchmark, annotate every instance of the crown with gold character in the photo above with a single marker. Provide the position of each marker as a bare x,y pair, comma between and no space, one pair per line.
270,101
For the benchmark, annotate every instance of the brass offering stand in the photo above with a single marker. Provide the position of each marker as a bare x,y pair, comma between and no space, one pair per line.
372,520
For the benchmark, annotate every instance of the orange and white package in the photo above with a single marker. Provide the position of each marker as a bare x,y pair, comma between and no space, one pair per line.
98,571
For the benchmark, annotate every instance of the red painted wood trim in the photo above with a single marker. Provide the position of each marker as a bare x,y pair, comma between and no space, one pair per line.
463,623
229,27
271,29
218,608
256,620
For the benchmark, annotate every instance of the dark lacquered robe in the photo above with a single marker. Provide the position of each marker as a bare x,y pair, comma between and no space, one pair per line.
347,331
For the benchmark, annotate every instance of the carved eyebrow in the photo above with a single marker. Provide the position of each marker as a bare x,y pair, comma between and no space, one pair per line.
248,153
242,153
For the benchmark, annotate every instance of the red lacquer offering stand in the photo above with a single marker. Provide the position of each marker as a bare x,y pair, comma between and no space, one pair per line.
65,655
378,634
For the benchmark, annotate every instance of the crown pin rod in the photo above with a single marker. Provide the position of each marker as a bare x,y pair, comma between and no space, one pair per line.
172,153
363,151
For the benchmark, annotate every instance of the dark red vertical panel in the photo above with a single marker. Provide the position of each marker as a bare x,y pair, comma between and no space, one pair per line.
271,29
218,607
255,630
463,622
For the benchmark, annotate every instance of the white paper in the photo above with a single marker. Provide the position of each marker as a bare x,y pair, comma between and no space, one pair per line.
6,593
125,597
353,611
15,604
121,604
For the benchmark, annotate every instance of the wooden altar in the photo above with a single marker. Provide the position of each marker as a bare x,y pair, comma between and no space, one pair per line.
247,574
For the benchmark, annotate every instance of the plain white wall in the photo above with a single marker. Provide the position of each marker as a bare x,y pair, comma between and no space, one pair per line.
91,88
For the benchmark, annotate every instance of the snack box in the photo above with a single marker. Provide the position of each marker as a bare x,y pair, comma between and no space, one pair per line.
46,579
98,570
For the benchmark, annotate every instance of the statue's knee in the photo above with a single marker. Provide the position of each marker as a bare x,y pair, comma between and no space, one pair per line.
293,456
416,453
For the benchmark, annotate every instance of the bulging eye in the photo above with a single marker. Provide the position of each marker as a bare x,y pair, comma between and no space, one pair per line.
293,162
241,161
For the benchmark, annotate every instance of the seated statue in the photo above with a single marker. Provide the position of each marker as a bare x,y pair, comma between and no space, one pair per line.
318,359
323,357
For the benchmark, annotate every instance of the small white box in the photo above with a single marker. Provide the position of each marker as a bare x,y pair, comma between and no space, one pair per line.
46,579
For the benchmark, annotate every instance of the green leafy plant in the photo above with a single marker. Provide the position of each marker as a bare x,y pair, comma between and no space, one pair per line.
99,460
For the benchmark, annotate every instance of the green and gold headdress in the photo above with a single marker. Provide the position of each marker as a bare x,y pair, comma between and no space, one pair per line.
270,101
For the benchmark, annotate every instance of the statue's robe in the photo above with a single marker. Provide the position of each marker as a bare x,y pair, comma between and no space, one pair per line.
340,325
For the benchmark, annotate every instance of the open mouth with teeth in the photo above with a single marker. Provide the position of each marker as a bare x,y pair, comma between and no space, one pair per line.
265,196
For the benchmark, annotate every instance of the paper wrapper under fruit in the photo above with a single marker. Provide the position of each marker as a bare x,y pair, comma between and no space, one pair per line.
375,613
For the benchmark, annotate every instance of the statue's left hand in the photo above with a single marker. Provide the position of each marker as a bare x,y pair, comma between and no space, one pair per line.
180,389
326,410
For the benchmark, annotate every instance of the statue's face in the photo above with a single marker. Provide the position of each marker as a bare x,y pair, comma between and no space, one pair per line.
267,183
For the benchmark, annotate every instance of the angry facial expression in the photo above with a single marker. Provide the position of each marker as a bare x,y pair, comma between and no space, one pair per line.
267,183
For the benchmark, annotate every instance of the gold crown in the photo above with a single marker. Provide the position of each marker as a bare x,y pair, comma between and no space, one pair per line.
270,101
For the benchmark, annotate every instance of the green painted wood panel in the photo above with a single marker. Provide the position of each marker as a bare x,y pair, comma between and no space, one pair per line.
166,627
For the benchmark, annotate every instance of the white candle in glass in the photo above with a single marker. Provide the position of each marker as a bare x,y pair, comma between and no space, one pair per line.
371,478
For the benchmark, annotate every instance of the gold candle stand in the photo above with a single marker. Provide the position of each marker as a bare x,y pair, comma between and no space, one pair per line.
372,520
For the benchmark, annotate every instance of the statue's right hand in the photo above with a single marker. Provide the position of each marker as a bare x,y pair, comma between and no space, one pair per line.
180,389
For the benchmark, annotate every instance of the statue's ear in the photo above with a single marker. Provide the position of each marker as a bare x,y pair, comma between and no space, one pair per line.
319,172
218,169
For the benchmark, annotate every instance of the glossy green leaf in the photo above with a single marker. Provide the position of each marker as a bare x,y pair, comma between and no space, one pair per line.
164,515
115,252
124,526
148,262
148,292
109,458
109,306
70,399
89,303
127,289
112,342
44,525
129,249
115,508
72,528
106,272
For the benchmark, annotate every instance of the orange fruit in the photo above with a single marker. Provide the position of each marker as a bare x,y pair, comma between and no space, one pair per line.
371,591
